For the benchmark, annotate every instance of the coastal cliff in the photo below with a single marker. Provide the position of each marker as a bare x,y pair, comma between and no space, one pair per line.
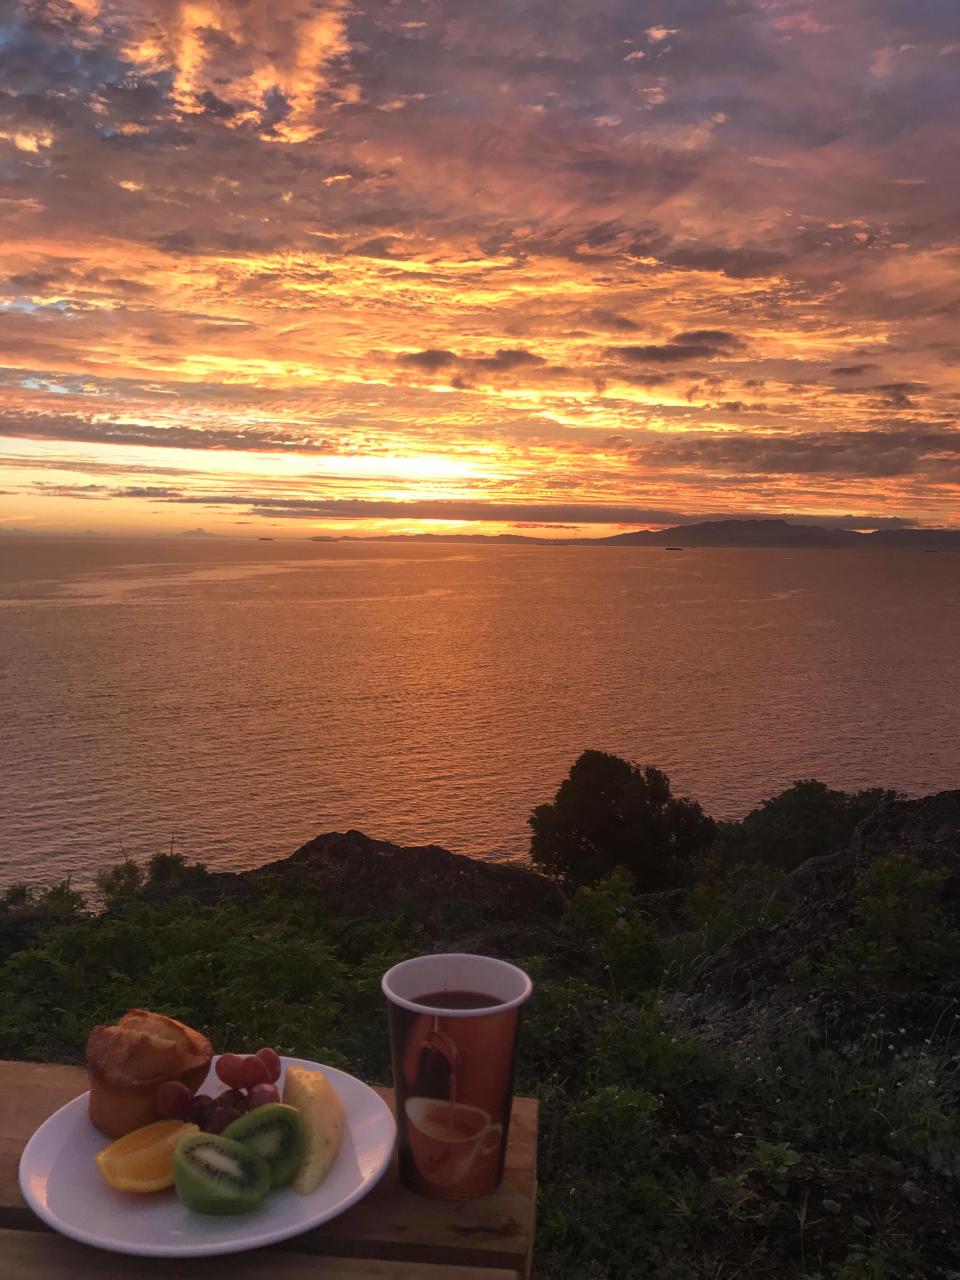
364,876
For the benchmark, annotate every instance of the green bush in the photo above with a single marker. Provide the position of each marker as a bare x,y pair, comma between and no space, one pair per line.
899,928
609,813
806,820
739,899
272,970
618,942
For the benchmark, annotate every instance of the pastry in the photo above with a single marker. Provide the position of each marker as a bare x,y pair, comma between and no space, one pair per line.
129,1060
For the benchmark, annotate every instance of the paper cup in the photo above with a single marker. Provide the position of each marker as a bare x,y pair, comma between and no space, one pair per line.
454,1021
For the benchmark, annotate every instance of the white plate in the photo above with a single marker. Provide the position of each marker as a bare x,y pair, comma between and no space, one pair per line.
62,1185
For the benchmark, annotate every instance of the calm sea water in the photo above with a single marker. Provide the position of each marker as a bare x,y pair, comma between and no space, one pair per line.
238,698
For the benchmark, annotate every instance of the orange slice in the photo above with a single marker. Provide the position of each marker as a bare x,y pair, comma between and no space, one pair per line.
143,1160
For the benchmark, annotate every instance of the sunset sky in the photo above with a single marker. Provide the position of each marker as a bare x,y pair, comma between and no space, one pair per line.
545,266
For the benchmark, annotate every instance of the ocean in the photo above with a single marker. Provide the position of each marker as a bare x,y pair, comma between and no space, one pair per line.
232,699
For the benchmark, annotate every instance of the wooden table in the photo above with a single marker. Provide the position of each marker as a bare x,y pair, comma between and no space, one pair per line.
392,1234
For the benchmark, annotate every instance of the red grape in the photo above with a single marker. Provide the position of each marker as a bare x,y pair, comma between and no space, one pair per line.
230,1069
261,1094
219,1118
201,1104
235,1098
272,1059
174,1100
254,1071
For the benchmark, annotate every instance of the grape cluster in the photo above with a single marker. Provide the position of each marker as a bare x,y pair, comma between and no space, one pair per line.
251,1080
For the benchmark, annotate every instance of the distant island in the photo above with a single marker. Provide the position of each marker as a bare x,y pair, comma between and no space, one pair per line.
709,533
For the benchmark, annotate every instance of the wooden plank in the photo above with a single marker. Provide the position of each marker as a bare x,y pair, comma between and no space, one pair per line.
29,1092
391,1223
495,1230
29,1255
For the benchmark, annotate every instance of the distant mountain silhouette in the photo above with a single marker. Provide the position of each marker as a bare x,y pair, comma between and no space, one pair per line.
781,533
445,537
739,533
712,533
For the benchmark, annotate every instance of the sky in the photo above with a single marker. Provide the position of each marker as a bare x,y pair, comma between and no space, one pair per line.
556,267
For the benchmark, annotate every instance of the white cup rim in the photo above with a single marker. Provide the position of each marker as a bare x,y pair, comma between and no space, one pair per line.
503,973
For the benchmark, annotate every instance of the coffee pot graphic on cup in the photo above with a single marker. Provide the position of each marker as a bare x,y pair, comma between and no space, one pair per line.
435,1074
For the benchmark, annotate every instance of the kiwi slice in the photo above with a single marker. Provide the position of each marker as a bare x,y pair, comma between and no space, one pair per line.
215,1175
275,1132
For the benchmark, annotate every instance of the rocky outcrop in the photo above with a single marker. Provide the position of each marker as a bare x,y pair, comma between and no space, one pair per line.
928,828
448,892
783,971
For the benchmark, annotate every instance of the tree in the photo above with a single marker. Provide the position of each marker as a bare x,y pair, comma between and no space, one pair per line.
805,820
611,813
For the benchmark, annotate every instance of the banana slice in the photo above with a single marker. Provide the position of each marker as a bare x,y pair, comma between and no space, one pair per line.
322,1112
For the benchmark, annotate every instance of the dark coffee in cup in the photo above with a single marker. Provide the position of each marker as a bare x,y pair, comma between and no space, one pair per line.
457,1000
454,1022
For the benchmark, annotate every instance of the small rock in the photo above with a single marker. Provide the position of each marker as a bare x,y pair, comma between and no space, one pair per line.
913,1193
831,1206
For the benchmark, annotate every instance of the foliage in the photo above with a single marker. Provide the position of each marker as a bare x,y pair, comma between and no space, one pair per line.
25,911
726,906
787,1154
609,813
899,926
275,969
802,822
119,883
616,940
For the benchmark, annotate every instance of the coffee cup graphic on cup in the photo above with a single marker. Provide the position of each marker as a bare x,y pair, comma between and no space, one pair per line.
447,1138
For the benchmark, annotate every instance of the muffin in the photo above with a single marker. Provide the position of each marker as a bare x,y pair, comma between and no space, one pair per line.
129,1060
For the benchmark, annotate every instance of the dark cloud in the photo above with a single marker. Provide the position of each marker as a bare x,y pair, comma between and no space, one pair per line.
739,264
503,360
252,439
611,320
899,395
869,454
177,242
507,358
543,515
669,353
710,337
146,491
431,359
93,491
646,379
851,370
378,247
214,106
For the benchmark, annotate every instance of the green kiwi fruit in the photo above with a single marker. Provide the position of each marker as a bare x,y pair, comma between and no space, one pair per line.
215,1175
275,1132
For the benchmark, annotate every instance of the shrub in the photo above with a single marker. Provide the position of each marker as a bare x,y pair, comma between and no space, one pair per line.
622,944
743,897
899,928
609,813
802,822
